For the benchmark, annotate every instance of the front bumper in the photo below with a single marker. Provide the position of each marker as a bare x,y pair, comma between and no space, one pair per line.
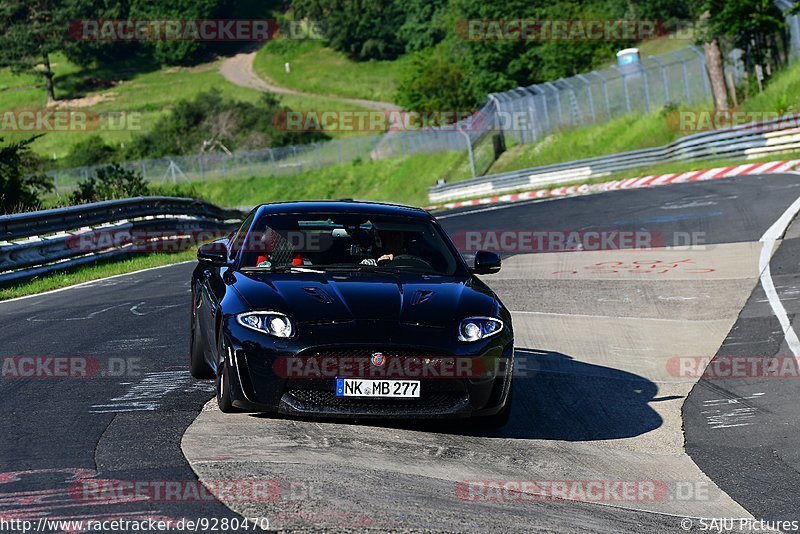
261,381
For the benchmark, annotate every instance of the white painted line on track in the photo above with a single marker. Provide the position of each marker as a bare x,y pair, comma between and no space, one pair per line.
768,241
89,282
498,207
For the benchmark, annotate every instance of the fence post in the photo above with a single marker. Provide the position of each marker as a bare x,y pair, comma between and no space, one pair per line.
576,115
624,88
55,183
704,75
272,159
588,84
200,166
530,101
686,91
469,149
496,102
664,78
646,87
553,88
605,92
546,111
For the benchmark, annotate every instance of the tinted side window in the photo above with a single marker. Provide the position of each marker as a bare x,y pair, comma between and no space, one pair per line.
238,239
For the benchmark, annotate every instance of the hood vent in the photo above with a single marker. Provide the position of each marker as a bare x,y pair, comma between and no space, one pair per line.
420,296
318,294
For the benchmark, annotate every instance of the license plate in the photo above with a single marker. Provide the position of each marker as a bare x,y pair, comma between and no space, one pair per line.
356,387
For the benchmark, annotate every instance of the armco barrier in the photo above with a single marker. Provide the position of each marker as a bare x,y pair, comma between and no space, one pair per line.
747,141
39,242
772,167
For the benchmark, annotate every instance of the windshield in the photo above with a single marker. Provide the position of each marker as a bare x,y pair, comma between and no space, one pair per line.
329,242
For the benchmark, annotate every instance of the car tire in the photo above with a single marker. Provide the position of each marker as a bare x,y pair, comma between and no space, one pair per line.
224,385
198,367
501,418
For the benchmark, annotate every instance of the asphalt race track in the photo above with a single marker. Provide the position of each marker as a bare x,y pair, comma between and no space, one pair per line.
597,399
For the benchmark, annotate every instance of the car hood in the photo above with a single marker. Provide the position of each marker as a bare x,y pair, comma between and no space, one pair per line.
367,296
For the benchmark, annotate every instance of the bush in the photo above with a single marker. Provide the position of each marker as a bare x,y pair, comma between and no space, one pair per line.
210,120
434,82
91,151
20,183
109,183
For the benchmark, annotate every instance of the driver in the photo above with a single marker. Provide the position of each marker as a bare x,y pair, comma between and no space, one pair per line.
393,244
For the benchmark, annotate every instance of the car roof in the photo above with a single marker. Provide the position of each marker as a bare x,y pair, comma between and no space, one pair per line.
342,206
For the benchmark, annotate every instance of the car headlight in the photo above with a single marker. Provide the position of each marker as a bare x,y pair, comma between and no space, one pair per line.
272,323
476,328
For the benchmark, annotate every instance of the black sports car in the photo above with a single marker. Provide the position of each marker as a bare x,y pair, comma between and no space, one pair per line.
350,309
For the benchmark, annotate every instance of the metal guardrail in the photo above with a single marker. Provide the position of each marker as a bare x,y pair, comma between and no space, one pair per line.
749,141
40,242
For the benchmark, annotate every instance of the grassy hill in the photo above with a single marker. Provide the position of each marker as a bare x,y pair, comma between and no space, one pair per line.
320,70
150,93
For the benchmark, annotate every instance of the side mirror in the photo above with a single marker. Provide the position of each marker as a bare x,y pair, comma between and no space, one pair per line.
486,262
214,254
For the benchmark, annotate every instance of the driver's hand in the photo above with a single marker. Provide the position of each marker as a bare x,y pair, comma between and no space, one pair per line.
385,258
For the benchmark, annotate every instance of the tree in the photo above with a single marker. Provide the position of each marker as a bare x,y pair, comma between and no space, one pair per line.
750,25
423,25
716,73
183,52
435,83
747,24
20,187
362,29
30,31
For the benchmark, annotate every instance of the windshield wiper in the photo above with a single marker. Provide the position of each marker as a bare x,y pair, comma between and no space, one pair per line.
282,269
382,269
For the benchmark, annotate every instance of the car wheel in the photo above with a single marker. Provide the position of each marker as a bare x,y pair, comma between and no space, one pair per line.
198,367
501,418
224,385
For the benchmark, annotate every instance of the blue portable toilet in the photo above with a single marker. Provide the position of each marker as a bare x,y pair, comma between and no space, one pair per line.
629,61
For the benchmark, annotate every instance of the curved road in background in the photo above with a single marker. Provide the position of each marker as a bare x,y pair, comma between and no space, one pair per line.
596,399
239,71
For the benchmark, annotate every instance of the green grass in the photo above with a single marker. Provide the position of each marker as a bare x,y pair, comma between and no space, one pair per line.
93,272
403,179
781,94
320,70
625,133
148,94
631,132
